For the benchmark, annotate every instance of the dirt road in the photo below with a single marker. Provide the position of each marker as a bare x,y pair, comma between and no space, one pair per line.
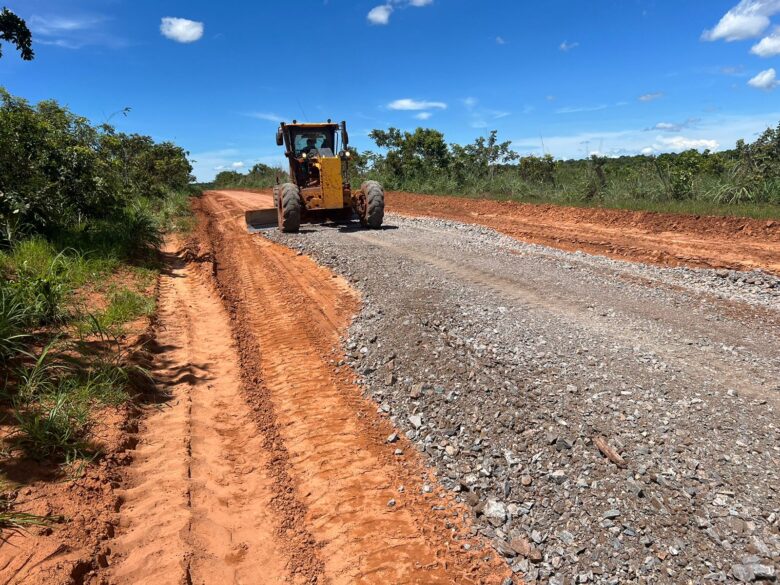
269,466
659,238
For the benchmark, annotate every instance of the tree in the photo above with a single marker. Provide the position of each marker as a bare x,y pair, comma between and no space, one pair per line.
14,30
484,155
411,154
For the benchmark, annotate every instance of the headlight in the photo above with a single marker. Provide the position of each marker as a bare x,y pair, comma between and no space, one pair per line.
304,155
348,154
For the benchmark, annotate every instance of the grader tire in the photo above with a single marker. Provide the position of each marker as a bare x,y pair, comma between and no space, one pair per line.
375,204
289,209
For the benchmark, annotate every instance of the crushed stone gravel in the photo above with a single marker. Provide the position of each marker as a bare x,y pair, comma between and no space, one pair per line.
607,421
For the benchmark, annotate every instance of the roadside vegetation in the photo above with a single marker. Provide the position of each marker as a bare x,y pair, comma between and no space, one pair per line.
259,176
745,178
742,181
83,212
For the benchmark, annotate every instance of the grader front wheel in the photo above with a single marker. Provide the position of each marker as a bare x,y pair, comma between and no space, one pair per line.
373,204
289,208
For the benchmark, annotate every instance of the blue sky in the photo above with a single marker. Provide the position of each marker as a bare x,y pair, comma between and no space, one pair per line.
567,77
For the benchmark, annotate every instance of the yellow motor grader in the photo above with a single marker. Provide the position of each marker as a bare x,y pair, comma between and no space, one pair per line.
319,185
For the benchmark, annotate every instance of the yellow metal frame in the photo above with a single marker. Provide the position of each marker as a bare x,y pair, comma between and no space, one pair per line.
331,182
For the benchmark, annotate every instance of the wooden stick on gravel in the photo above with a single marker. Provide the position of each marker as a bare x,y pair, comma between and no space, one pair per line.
609,452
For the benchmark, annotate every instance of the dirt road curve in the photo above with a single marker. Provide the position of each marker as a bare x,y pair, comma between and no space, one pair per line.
270,467
666,239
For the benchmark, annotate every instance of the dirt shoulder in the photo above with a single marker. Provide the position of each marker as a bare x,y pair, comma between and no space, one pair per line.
657,238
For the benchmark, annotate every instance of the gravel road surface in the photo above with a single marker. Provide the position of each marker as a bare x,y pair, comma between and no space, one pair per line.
606,421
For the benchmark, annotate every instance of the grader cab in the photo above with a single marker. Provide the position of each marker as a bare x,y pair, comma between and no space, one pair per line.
319,186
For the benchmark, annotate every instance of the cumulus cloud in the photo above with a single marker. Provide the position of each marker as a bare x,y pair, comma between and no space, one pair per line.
766,80
408,104
237,165
181,30
380,15
423,115
566,46
651,97
769,46
746,20
678,143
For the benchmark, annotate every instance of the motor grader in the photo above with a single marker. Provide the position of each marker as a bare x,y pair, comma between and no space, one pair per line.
319,186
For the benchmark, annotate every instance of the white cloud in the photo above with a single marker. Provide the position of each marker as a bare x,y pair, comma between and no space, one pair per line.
579,109
678,143
181,30
423,115
408,104
566,46
722,130
674,126
237,165
746,20
500,41
650,97
766,80
769,46
73,32
470,102
380,14
265,116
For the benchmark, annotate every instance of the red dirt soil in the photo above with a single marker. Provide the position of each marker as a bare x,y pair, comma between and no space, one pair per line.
331,471
658,238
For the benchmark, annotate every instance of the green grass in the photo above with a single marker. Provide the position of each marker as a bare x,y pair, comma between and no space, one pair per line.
53,426
124,306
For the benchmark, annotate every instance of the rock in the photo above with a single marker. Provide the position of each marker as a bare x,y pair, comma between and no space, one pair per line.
611,514
494,510
391,503
743,573
762,571
558,476
392,438
521,546
504,549
526,480
416,421
416,391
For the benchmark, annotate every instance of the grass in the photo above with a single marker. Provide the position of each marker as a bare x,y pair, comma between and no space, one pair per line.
54,426
124,306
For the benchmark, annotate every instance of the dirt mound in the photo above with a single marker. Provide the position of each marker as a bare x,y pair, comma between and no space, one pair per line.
658,238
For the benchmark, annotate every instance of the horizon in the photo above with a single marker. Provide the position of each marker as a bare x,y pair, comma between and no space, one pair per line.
562,79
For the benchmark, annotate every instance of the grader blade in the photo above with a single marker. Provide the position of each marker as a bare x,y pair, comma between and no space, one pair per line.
258,219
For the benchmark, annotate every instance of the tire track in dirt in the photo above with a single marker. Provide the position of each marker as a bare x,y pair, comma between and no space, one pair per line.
198,509
329,448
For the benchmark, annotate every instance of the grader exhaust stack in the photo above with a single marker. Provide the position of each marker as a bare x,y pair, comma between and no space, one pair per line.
319,185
